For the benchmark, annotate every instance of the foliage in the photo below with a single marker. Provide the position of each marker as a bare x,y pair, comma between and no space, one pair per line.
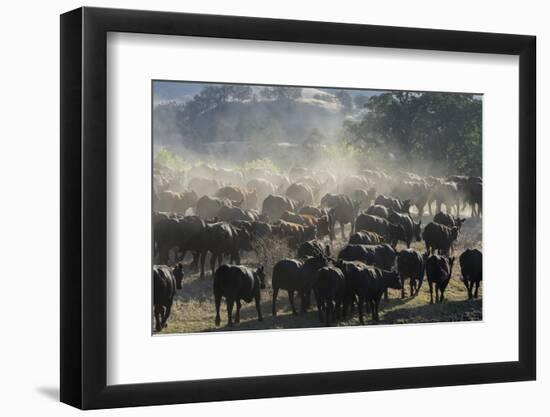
167,159
281,93
264,163
345,100
421,128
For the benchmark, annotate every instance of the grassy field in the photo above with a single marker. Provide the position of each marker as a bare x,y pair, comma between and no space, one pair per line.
194,311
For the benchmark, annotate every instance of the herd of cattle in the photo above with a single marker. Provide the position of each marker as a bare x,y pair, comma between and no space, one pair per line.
224,212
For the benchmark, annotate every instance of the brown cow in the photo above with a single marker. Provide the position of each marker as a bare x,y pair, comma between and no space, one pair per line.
248,199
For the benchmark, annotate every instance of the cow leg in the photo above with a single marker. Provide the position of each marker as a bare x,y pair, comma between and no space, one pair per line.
229,302
237,257
368,309
360,309
202,260
403,286
420,282
347,306
217,300
376,306
431,294
238,314
158,314
339,309
195,262
328,313
213,262
167,310
342,229
476,290
258,307
412,285
386,298
291,299
320,302
304,301
274,305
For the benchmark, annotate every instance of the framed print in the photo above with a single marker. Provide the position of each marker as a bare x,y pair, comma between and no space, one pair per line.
257,208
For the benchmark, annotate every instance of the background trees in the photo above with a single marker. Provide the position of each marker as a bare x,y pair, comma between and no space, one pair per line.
437,133
427,133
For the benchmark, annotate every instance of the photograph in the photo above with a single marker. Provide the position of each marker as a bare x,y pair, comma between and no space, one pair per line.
280,207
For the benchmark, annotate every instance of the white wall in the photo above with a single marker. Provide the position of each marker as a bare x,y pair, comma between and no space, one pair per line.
29,238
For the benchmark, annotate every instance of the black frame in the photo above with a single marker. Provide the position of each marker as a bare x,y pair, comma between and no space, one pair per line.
83,207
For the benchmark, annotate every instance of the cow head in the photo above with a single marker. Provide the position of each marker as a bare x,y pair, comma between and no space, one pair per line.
328,200
459,222
406,206
178,275
451,261
392,279
260,273
397,232
417,230
454,233
244,238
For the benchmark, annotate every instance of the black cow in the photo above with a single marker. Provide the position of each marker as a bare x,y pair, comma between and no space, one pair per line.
448,220
164,289
182,233
365,238
471,265
296,276
438,272
231,214
381,256
310,268
412,265
312,248
391,232
474,194
287,275
376,282
393,203
329,291
275,205
356,288
412,229
236,283
439,237
342,210
379,210
220,239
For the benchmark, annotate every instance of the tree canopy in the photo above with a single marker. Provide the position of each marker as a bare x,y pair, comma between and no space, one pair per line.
431,132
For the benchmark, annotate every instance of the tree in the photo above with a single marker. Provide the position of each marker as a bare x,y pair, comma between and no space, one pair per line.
345,100
423,128
281,93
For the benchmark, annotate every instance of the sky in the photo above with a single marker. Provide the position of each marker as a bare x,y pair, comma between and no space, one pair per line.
182,91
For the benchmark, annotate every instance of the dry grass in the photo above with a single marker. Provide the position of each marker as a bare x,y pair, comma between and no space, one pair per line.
194,310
